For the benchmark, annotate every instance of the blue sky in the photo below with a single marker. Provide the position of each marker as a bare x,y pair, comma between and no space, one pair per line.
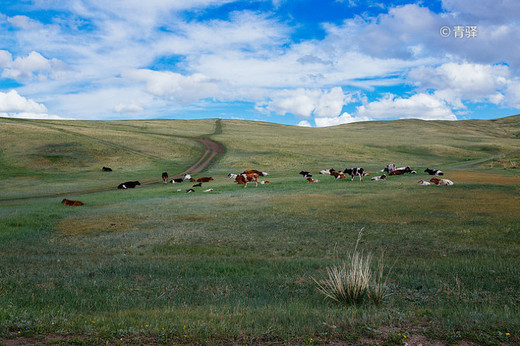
299,62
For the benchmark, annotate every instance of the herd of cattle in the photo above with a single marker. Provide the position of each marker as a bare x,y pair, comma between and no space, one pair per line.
251,176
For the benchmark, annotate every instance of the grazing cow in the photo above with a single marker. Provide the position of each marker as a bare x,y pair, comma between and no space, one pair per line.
382,177
72,203
254,171
165,177
310,180
305,174
129,185
355,171
190,191
422,182
204,179
438,181
107,169
433,171
265,182
187,176
197,185
176,180
246,178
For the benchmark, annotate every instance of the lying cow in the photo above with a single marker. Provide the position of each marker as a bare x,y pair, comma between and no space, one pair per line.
401,170
176,180
129,185
433,171
72,203
305,174
204,179
310,180
382,177
327,171
422,182
107,169
338,175
355,171
438,181
187,176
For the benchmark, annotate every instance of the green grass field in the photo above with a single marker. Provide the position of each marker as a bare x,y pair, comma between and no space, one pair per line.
157,265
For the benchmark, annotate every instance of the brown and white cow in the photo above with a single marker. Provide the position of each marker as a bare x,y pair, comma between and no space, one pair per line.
382,177
246,178
165,177
254,171
438,181
310,180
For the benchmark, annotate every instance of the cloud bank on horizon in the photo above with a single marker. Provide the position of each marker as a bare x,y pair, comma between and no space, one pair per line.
306,62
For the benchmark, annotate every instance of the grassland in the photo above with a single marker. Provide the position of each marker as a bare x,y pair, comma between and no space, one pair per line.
157,265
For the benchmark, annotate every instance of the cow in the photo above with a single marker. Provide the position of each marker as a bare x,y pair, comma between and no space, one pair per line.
265,182
176,180
190,191
433,171
438,181
305,174
401,170
382,177
247,178
327,171
338,174
422,182
106,169
355,171
204,179
232,175
72,203
208,190
310,180
129,185
254,171
165,177
197,185
187,176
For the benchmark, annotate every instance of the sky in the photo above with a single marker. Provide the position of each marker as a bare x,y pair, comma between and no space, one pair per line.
296,62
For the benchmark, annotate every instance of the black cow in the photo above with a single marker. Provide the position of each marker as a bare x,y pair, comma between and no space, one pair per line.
305,174
355,171
433,171
197,185
165,177
107,169
176,180
129,185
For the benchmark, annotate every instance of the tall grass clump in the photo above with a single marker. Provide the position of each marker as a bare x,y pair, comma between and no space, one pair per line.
355,279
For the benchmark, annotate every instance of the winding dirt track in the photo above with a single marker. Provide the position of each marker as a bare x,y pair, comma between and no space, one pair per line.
214,151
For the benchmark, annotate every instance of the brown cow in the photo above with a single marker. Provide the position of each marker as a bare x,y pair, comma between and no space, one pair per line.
246,178
204,179
72,203
438,181
310,180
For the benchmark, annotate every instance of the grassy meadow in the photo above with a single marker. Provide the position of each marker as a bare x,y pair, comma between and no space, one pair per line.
158,265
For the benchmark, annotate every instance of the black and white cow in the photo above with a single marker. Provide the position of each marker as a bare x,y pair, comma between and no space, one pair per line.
355,171
165,177
176,180
433,171
129,185
305,174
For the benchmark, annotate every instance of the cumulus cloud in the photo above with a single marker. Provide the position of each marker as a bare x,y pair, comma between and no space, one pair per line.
344,118
304,102
304,123
32,66
418,106
184,89
13,105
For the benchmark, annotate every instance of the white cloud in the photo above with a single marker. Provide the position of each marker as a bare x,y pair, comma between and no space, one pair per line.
419,106
344,118
184,89
128,108
304,102
24,22
32,66
12,105
304,123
